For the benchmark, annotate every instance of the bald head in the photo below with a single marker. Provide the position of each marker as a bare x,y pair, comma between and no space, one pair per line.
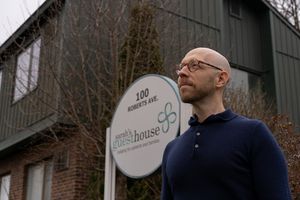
210,56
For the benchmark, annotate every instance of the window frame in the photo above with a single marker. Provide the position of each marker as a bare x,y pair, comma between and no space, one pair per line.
30,82
249,84
231,3
45,189
1,77
61,160
1,177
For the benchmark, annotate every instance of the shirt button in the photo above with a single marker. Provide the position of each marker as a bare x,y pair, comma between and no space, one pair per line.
198,134
196,145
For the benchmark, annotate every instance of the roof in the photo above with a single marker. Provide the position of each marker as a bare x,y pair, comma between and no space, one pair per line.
256,4
44,8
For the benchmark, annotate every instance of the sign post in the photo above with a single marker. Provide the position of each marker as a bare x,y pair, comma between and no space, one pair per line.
110,172
146,119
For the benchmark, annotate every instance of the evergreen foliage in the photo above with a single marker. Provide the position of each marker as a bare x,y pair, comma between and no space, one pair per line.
140,55
140,51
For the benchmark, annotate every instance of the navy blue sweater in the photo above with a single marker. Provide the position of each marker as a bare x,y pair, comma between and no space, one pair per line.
227,156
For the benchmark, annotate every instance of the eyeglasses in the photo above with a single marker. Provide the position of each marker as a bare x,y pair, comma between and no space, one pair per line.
193,65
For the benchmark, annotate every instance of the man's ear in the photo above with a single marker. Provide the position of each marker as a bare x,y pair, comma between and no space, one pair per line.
222,79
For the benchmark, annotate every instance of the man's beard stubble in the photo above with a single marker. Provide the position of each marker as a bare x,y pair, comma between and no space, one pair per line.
199,93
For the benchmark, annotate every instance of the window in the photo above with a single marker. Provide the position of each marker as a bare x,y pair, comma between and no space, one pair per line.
50,30
243,79
235,8
39,181
0,81
61,160
4,184
27,70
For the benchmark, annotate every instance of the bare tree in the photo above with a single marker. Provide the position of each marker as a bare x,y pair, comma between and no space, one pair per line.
289,9
89,53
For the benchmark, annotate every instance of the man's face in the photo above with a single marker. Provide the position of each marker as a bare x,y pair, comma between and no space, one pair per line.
196,86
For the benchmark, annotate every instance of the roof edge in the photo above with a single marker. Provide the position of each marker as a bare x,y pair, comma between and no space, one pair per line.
31,19
278,14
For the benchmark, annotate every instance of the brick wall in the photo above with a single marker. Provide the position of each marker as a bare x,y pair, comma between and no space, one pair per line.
67,184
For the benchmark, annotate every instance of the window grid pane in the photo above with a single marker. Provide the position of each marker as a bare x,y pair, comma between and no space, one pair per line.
39,181
239,79
35,182
27,70
48,181
22,74
0,79
35,64
5,185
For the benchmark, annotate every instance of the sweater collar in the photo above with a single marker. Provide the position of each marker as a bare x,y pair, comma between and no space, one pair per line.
223,116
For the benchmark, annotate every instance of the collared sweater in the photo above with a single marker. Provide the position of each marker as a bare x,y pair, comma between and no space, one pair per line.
226,157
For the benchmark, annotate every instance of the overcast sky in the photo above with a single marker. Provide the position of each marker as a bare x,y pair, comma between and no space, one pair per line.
13,13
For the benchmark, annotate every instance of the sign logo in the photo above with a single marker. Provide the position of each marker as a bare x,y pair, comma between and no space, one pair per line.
166,119
145,121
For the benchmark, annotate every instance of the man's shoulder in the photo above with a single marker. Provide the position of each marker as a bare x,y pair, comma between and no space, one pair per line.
250,126
246,121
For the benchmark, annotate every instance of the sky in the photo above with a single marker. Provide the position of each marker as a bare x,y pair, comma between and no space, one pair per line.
13,13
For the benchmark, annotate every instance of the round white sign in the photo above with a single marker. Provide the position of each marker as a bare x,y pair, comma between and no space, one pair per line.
145,121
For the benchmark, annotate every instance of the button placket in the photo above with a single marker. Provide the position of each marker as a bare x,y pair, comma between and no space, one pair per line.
197,135
197,139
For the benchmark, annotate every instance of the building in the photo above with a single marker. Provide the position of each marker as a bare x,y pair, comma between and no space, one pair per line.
260,44
31,166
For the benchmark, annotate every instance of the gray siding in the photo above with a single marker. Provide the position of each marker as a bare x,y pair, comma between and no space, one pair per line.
287,67
195,24
242,37
16,117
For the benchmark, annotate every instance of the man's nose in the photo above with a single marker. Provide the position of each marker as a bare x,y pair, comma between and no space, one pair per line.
184,71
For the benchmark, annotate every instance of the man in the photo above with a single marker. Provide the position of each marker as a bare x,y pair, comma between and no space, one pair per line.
222,155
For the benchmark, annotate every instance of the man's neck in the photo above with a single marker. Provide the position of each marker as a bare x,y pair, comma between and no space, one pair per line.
204,109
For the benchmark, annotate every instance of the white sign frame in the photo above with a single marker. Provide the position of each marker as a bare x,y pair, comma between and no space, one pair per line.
110,165
160,101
